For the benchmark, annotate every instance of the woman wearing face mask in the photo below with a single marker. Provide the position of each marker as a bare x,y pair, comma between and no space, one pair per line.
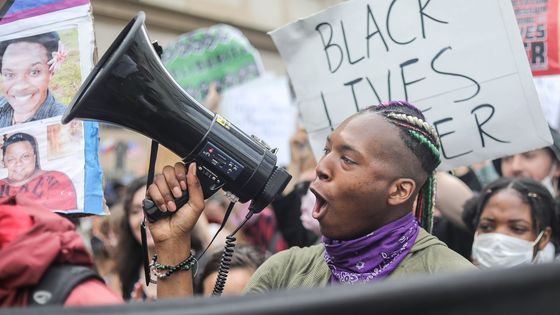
514,223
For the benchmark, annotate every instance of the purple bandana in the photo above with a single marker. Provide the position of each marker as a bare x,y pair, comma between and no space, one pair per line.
372,256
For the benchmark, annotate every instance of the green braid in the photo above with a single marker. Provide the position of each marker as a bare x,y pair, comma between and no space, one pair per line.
422,139
427,213
425,203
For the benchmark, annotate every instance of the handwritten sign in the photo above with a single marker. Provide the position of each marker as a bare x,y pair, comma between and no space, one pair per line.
461,62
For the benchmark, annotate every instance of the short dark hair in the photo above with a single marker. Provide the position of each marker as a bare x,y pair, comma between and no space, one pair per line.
531,192
244,256
48,40
20,137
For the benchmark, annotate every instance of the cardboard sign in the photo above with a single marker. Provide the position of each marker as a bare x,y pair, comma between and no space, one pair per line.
216,54
538,23
263,107
461,62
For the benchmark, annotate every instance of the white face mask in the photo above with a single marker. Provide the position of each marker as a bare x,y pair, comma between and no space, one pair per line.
500,250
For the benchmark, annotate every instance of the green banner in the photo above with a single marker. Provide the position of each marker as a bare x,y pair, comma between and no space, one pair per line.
217,54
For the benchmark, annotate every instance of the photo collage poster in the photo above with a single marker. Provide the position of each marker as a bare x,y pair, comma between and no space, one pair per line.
46,51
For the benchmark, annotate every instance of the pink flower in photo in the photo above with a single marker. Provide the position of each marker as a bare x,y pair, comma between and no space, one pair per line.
58,58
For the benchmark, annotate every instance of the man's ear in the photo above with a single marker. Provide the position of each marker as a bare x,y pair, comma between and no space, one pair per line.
400,191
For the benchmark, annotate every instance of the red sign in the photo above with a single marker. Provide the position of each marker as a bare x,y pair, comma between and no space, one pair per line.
538,23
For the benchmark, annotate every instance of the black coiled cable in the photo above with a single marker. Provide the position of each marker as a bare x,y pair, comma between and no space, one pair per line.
225,262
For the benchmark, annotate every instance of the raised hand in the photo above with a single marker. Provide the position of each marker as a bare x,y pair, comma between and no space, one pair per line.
167,186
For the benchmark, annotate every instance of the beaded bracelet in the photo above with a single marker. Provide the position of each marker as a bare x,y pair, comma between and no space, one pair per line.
185,265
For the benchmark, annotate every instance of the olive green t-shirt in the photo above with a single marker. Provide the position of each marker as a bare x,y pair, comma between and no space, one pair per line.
305,267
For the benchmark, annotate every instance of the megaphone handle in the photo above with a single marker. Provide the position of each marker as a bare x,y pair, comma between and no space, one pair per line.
208,181
153,213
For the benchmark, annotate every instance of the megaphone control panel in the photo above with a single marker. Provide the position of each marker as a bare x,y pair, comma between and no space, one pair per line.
220,161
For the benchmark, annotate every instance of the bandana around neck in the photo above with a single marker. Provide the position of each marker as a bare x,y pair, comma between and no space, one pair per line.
373,256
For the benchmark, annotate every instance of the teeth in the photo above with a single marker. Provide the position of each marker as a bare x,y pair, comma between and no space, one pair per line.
22,98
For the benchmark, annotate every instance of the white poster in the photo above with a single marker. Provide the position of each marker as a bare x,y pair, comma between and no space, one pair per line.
263,107
461,62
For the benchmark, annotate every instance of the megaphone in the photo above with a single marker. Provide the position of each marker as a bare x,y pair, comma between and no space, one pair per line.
130,87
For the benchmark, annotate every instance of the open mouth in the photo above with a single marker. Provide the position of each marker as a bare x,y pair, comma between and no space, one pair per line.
319,210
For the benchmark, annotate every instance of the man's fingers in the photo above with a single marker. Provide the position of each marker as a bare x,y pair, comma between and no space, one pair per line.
196,197
157,198
181,173
165,183
172,181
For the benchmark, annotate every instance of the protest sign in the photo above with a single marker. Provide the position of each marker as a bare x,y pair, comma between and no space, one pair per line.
547,88
216,54
538,23
46,48
20,9
263,107
461,62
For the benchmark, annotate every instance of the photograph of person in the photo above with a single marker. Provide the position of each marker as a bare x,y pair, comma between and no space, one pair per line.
20,156
28,66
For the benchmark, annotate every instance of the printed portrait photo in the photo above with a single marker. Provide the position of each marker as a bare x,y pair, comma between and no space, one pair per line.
39,76
32,170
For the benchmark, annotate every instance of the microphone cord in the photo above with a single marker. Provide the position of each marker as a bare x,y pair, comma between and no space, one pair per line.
225,261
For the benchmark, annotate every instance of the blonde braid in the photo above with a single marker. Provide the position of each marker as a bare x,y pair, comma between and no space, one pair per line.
417,122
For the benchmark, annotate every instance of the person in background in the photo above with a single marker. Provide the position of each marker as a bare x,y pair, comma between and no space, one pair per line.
514,223
452,193
44,261
244,261
129,252
542,165
293,209
129,259
27,65
104,242
377,165
52,189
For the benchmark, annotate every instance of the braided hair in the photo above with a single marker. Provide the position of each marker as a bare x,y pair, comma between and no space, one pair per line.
532,193
422,140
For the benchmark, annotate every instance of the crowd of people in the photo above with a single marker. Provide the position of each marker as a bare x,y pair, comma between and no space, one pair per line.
367,210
